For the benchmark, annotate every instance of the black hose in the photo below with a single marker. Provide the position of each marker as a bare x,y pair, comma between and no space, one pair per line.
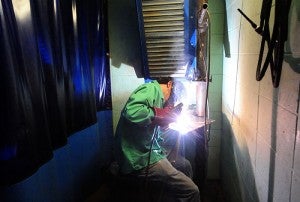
154,136
275,53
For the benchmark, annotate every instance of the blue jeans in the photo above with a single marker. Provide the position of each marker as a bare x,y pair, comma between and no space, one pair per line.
173,185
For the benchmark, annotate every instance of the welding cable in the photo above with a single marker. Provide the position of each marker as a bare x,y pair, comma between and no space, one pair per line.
154,136
276,42
208,79
177,109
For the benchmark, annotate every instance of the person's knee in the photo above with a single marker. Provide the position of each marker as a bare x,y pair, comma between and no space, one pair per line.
183,165
194,188
195,192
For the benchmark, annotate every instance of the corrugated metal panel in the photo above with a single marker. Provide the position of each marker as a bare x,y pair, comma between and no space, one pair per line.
164,34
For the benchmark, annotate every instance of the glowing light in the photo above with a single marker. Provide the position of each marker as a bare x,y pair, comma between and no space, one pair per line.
188,122
180,71
21,9
201,97
181,124
55,8
74,14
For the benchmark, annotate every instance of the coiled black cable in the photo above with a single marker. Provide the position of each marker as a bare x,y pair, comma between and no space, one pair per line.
275,44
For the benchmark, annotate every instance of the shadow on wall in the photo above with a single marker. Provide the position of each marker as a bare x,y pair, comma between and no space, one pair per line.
124,36
237,174
226,37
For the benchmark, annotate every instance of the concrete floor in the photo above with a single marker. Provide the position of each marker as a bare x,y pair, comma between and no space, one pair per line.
212,192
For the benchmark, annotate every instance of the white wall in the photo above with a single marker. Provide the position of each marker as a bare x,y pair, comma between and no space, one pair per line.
216,12
260,141
125,53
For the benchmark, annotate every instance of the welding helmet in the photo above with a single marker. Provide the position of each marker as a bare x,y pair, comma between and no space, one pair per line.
177,94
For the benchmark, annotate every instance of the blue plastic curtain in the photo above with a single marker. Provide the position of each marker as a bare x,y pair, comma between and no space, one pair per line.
54,77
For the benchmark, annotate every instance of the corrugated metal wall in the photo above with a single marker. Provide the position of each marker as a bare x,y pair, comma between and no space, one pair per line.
164,35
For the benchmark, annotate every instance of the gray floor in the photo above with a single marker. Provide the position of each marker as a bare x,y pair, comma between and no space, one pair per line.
212,192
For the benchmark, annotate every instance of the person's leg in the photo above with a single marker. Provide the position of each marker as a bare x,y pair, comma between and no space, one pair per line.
183,165
175,184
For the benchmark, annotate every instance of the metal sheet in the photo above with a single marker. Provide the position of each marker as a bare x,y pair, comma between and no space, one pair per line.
164,35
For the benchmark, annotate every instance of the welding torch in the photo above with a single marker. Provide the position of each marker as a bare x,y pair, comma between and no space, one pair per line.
257,28
177,109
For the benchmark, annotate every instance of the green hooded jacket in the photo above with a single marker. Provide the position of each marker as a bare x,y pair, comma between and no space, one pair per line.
133,137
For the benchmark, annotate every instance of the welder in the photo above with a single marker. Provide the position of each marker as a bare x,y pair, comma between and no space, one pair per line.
137,141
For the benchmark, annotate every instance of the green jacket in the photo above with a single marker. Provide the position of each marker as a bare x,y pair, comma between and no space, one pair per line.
134,131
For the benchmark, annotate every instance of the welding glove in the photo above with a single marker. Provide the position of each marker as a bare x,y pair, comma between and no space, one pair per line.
164,116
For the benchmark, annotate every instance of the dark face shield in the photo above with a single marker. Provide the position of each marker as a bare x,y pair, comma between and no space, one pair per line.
177,94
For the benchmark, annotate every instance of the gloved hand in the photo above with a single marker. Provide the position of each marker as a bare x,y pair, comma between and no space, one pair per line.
164,116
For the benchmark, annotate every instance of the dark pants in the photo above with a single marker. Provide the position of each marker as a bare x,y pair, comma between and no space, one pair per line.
183,165
173,184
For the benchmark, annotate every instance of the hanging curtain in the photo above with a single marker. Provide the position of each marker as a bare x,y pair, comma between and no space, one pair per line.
53,78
